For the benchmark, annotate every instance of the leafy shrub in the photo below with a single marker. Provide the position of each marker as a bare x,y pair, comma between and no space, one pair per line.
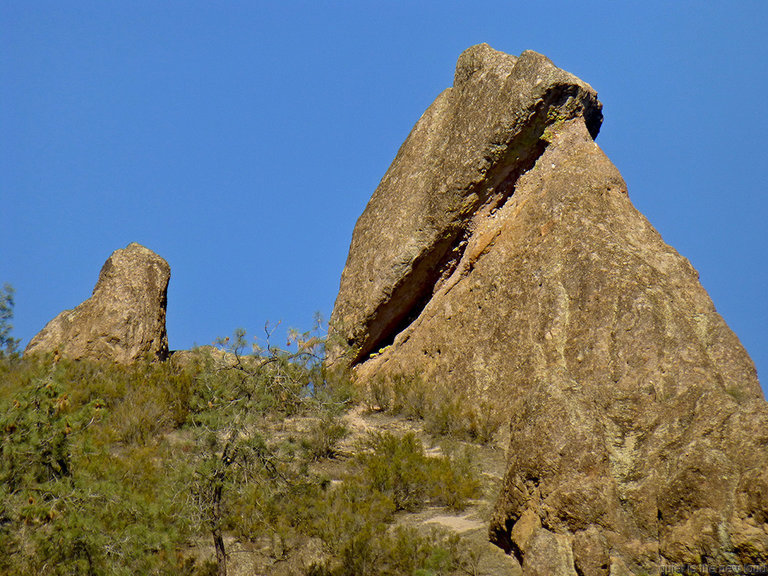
352,516
323,436
379,395
404,550
333,390
398,467
412,397
444,412
341,515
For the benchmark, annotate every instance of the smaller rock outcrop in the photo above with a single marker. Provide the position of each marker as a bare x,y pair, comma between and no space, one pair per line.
124,319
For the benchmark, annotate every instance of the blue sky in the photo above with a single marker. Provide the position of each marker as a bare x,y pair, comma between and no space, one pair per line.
241,140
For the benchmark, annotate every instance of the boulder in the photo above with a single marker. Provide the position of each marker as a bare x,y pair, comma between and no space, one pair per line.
124,319
501,259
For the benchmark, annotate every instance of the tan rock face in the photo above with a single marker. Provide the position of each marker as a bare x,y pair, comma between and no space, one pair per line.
124,319
639,429
461,157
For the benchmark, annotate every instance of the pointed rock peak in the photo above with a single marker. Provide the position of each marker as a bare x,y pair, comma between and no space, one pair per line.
462,158
124,319
478,60
501,263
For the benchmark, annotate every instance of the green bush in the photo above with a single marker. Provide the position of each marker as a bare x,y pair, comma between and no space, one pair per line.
323,436
444,412
379,395
353,516
8,344
404,550
398,467
412,397
112,470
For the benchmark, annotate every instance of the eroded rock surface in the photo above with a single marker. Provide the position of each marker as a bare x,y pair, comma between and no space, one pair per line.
501,257
463,156
124,319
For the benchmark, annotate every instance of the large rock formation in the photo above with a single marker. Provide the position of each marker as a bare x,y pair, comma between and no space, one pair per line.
124,319
501,256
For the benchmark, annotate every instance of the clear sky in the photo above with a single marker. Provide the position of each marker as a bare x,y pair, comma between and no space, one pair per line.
241,140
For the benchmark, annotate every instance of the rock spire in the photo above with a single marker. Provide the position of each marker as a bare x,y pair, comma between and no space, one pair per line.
124,319
501,257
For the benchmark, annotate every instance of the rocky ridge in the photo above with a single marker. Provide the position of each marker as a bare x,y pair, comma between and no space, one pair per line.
501,257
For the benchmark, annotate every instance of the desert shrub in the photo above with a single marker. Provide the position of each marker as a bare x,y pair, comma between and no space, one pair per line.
484,421
379,395
140,417
444,412
323,436
353,516
340,514
402,550
460,417
412,396
423,552
446,416
398,467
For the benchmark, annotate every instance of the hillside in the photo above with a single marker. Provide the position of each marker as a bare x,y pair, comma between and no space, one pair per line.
219,463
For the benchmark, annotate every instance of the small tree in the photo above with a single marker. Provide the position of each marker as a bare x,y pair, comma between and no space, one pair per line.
235,396
7,343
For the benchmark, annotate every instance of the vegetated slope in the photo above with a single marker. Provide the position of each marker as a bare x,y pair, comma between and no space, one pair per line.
219,462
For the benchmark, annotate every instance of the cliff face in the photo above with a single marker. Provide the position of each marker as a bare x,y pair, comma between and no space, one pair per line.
502,258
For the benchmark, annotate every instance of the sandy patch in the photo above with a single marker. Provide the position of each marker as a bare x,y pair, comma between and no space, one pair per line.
458,524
